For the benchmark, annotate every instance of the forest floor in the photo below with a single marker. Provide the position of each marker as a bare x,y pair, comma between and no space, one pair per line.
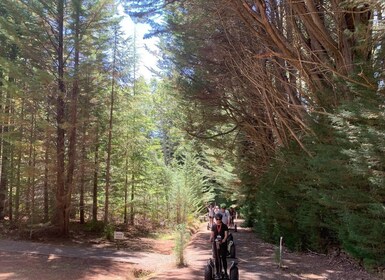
152,258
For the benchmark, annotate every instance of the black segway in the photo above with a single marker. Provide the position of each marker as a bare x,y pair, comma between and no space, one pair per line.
234,273
210,268
230,246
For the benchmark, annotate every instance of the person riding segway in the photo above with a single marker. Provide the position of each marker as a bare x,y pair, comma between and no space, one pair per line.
220,231
210,210
233,215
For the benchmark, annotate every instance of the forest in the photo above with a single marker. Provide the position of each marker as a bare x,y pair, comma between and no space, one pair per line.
276,107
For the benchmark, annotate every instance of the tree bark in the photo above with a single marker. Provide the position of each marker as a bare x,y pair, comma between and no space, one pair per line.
5,157
45,184
82,176
73,109
110,123
18,164
62,213
95,178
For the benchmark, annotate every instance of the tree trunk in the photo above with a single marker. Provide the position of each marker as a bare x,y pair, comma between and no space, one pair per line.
11,183
18,164
108,163
73,111
62,213
95,179
82,176
30,192
33,168
5,157
6,143
45,184
126,190
132,214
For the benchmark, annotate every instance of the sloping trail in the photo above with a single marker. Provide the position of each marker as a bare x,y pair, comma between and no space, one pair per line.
257,261
251,266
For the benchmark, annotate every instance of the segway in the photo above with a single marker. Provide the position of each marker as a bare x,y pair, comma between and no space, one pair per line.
210,268
233,224
230,246
234,272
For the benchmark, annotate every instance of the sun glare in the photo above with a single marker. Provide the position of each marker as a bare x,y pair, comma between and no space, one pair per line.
147,48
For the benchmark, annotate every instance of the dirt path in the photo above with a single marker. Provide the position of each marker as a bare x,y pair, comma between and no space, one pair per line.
141,259
21,260
257,261
34,261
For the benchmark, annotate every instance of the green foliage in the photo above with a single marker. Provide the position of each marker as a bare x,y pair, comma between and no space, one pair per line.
362,210
188,181
334,197
109,231
95,226
181,239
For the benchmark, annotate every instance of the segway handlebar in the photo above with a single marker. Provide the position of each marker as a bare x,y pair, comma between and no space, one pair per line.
218,241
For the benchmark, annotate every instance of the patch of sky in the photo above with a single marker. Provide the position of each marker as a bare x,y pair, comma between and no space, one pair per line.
146,46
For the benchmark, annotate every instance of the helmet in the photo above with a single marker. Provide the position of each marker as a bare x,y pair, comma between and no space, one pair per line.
218,216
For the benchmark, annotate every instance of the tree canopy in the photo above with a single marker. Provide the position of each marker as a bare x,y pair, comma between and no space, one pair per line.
294,92
277,106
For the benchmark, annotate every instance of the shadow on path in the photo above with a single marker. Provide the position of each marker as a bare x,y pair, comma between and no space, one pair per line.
141,259
256,259
198,252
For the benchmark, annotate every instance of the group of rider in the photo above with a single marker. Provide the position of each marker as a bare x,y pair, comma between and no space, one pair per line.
228,216
219,221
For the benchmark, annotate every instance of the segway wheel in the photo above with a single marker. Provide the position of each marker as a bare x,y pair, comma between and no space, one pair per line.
232,251
234,273
208,272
